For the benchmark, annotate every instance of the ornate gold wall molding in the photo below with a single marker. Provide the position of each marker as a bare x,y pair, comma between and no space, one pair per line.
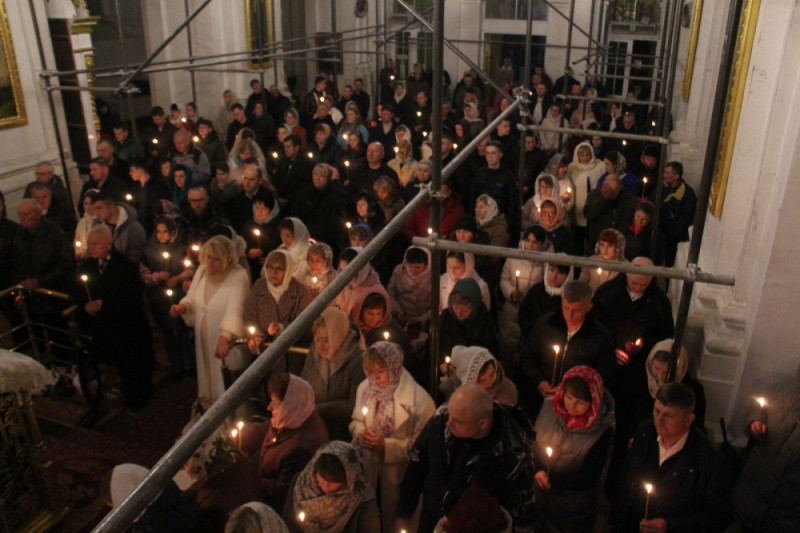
12,102
730,122
252,22
697,14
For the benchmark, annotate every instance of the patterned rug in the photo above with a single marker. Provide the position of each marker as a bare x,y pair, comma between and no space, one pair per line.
81,456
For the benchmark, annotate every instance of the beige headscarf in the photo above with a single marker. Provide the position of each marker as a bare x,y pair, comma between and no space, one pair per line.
277,290
653,383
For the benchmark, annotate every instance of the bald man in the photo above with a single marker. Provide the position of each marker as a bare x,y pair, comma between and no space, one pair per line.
44,173
42,252
363,177
115,315
471,438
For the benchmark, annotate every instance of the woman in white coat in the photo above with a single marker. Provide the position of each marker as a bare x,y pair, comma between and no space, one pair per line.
391,410
214,305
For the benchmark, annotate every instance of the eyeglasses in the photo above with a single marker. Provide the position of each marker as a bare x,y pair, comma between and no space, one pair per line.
275,269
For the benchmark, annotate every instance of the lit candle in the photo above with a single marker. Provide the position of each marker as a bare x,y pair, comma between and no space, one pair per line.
644,185
367,418
252,331
183,119
424,133
234,434
165,255
396,149
556,350
391,77
195,247
549,452
624,142
447,359
155,141
386,335
430,231
314,280
274,155
311,155
187,263
169,294
347,169
196,139
78,244
455,146
128,197
344,136
639,342
516,280
85,280
301,516
762,402
648,487
653,123
538,209
348,225
240,426
257,233
599,271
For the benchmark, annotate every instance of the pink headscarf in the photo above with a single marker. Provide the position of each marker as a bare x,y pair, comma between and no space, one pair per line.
595,382
297,405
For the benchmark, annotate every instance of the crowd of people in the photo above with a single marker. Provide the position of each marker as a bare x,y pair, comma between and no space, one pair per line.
225,229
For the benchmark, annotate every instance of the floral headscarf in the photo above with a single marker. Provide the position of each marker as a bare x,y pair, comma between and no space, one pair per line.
382,398
595,383
330,512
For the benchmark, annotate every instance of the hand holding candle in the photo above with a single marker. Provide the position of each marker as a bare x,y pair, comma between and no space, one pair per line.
549,452
516,280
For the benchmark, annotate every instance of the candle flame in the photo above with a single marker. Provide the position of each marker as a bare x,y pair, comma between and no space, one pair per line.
234,432
240,425
301,516
275,155
364,410
348,225
447,359
165,255
183,119
556,348
599,271
155,141
396,149
762,402
648,487
257,232
344,136
516,273
549,451
644,180
196,139
129,197
311,155
252,330
639,342
78,244
569,190
386,335
187,263
424,133
84,278
347,163
653,123
430,231
391,77
314,279
455,146
169,293
195,247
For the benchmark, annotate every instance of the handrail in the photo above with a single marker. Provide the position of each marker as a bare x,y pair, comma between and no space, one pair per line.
122,516
692,274
292,349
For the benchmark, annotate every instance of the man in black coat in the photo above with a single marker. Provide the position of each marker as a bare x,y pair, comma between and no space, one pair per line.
112,300
610,206
322,207
293,172
208,141
241,206
562,340
469,439
498,183
363,177
690,486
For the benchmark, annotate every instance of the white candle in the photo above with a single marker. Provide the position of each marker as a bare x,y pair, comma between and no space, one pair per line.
762,402
516,280
85,280
556,349
549,452
648,488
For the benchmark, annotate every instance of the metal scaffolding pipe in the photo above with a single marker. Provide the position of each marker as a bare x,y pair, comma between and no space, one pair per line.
461,55
128,98
403,28
189,49
571,23
52,104
84,88
122,516
694,275
598,133
163,45
435,213
526,79
618,100
704,191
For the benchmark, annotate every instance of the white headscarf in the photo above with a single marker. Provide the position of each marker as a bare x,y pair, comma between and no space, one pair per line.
299,247
297,405
277,290
268,520
493,210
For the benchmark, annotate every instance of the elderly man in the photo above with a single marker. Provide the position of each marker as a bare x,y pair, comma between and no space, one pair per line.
116,166
469,439
187,154
562,340
610,206
690,486
363,177
100,178
127,233
45,174
42,252
115,315
61,215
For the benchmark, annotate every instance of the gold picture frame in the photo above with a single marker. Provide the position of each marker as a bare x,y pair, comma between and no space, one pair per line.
733,105
12,102
258,13
697,13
